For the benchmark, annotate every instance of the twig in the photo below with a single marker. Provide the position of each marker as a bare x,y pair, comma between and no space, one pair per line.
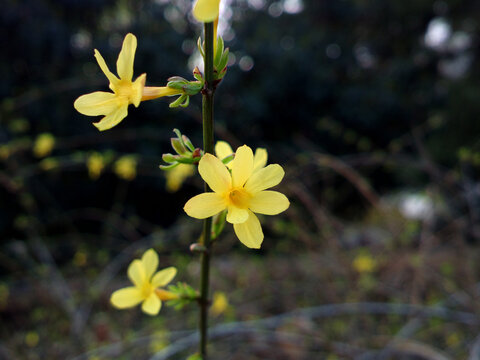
323,311
349,173
406,347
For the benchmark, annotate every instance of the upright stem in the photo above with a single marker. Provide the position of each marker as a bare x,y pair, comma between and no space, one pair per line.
207,115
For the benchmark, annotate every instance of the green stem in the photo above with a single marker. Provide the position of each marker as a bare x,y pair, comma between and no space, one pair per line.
207,115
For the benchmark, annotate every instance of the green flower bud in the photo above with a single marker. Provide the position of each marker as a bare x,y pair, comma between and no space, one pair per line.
178,146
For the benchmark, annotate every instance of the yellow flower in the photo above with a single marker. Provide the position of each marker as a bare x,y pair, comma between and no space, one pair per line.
126,167
4,152
114,106
177,176
146,289
364,263
44,144
32,339
220,303
206,10
95,165
242,192
223,149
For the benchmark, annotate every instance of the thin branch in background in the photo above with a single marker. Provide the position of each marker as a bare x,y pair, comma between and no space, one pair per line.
350,174
322,311
405,347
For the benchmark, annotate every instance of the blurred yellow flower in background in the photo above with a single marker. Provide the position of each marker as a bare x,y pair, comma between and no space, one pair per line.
220,303
147,284
95,165
44,144
114,106
126,167
32,339
177,175
364,263
242,192
4,152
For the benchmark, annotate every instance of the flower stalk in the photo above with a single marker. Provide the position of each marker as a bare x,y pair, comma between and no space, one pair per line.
208,146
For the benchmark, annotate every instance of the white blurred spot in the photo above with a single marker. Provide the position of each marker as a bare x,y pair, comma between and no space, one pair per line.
364,57
275,9
416,206
256,4
455,68
188,46
228,35
245,63
437,34
81,40
293,6
232,59
195,60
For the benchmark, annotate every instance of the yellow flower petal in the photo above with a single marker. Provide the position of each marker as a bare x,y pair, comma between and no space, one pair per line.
163,277
113,118
250,232
269,203
242,166
126,297
136,273
150,262
204,205
126,57
177,176
206,10
264,178
137,90
260,159
111,78
152,305
236,215
96,103
214,173
223,149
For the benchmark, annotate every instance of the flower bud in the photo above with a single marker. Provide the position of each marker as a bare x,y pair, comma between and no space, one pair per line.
188,143
170,158
178,146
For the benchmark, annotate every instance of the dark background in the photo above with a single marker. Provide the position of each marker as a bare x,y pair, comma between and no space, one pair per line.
372,108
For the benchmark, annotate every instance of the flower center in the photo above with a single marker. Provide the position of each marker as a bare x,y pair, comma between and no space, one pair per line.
239,198
147,290
125,89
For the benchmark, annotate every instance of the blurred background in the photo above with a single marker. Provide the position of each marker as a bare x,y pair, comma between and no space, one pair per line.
372,107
